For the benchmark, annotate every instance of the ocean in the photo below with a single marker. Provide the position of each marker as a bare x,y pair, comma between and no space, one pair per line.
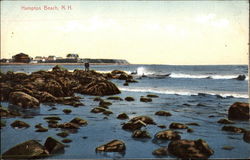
198,93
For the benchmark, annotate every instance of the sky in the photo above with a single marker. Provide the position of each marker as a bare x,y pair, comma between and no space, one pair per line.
142,32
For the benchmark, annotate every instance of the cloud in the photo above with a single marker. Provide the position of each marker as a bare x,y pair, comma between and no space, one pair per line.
211,20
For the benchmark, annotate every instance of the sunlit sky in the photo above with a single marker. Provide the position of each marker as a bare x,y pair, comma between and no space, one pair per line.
142,32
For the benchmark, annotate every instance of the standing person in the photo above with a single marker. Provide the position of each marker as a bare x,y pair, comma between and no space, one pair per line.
86,66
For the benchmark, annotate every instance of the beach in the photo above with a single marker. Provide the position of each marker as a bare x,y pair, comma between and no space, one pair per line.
195,96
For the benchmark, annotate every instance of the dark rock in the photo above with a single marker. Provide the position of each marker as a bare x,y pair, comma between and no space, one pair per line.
233,129
177,126
144,99
241,77
104,104
63,134
129,99
162,151
115,98
52,118
23,100
190,130
68,125
163,113
190,149
239,111
26,150
113,146
125,84
161,126
38,125
141,134
19,124
152,96
131,81
53,125
79,121
225,121
67,111
52,121
167,135
2,124
52,145
246,136
66,140
145,119
134,125
97,99
100,88
42,129
192,124
107,112
201,105
122,116
227,147
98,110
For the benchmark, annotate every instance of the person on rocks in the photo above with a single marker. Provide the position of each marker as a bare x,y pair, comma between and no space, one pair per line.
86,66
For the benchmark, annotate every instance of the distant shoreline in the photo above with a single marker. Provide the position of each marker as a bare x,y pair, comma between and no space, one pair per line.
61,64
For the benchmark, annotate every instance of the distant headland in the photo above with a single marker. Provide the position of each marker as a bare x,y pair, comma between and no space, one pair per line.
71,58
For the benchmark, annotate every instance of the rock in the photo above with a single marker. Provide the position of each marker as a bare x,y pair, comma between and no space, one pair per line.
5,90
79,121
52,145
107,112
131,81
104,104
53,125
152,96
42,129
23,100
144,99
246,136
45,97
167,135
239,111
141,134
100,88
26,150
67,111
190,149
162,151
225,121
233,129
161,126
227,147
241,77
2,124
52,118
68,125
4,112
97,99
163,113
115,98
66,140
63,134
98,110
134,125
52,121
193,124
145,119
125,84
115,72
129,99
190,130
122,116
39,125
177,126
113,146
19,124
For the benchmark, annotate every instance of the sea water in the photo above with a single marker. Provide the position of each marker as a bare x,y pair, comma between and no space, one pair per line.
200,94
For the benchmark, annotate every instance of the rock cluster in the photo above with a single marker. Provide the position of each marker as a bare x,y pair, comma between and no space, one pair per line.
56,86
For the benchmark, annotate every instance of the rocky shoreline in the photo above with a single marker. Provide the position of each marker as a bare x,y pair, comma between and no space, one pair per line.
59,86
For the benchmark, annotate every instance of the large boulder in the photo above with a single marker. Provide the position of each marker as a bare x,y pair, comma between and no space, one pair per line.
23,100
233,129
145,119
100,88
175,125
163,113
141,134
19,124
113,146
246,136
239,111
190,149
26,150
134,125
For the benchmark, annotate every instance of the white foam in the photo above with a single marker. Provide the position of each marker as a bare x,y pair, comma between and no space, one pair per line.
183,92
